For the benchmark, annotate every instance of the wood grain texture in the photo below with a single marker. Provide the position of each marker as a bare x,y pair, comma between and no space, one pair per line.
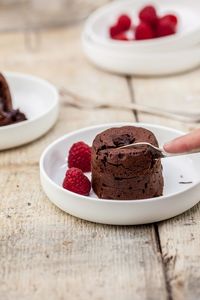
179,237
65,67
180,242
18,15
180,92
45,253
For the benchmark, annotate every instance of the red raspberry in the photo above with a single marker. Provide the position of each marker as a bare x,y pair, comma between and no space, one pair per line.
75,181
80,156
165,28
124,22
144,31
114,30
171,19
121,37
148,14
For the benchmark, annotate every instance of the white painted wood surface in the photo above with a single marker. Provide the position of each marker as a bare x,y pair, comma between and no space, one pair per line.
47,254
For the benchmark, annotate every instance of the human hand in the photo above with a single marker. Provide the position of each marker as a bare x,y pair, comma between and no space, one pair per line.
184,143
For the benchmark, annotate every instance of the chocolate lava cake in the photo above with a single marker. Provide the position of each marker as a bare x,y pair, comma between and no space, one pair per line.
8,115
125,174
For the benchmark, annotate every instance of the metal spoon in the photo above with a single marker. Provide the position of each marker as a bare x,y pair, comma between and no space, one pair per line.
158,152
85,103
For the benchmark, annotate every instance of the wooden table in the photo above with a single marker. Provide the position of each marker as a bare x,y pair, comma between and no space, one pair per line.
47,254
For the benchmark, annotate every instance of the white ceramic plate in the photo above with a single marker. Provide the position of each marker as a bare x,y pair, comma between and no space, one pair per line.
188,33
177,197
162,56
38,99
139,62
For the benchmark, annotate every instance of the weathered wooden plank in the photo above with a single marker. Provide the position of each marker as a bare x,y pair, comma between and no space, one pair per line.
179,237
180,243
48,254
29,14
65,66
174,93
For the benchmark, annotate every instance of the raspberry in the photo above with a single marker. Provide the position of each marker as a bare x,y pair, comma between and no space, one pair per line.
124,22
170,19
75,181
121,37
114,30
80,156
148,14
144,31
165,28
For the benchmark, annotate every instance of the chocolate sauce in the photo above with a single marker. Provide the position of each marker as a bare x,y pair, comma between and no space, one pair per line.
8,115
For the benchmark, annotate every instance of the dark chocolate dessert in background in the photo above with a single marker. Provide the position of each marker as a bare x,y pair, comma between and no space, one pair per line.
125,174
8,115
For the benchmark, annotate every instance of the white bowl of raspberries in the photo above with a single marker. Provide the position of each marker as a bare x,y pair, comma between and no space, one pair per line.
131,30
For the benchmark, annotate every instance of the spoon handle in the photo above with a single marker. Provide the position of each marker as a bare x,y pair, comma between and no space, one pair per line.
83,102
167,154
158,152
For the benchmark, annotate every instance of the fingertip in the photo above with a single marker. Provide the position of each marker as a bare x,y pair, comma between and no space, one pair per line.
168,147
176,146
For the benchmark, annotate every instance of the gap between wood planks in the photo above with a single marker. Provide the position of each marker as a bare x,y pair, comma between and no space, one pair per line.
155,225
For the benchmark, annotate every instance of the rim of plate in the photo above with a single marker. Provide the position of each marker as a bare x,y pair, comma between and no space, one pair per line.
160,198
110,52
40,80
100,11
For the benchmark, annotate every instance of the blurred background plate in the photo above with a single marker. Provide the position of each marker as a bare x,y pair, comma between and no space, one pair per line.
38,99
161,56
188,33
141,63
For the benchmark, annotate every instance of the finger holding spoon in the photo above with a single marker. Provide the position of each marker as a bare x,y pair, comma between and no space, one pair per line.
184,143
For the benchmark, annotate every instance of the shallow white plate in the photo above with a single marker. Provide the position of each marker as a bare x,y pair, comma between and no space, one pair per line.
178,197
188,33
140,62
162,56
38,99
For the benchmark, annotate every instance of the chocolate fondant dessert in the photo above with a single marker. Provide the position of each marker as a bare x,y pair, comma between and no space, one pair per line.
125,174
8,115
